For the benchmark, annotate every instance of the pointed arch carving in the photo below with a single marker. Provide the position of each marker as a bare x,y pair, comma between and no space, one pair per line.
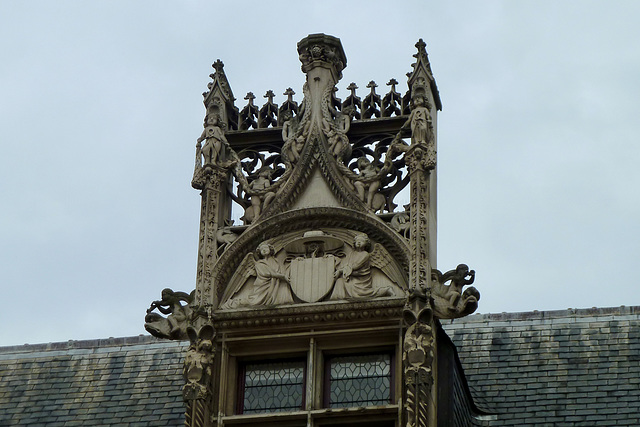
304,219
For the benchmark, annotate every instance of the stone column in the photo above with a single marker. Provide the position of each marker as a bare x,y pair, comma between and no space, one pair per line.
213,185
418,346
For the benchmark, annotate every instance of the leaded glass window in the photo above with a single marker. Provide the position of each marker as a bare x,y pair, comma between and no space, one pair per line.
272,387
359,380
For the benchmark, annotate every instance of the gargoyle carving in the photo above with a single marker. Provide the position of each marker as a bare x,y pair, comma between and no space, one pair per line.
174,325
450,301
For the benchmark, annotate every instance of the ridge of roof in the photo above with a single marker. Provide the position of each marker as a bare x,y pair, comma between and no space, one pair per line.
89,345
549,314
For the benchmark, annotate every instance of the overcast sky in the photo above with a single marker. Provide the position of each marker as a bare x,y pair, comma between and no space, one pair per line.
100,107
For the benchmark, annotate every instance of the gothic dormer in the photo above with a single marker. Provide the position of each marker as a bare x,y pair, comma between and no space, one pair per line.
317,295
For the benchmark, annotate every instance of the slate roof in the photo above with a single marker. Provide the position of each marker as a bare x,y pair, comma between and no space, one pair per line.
555,368
126,381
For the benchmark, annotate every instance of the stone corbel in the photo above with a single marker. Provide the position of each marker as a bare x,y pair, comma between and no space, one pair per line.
420,157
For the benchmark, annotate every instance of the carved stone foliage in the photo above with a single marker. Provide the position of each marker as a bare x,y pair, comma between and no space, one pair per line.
198,375
417,358
451,301
314,266
198,364
175,306
330,312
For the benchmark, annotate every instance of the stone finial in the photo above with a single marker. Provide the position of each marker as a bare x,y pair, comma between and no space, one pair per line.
321,50
420,79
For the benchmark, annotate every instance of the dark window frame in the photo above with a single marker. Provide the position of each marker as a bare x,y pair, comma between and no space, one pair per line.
241,379
326,374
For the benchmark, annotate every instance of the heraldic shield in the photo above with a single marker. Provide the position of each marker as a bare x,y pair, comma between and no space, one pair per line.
312,278
312,270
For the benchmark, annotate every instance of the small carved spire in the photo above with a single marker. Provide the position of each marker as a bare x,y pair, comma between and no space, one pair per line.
249,113
219,100
422,76
371,103
269,112
289,105
391,101
354,101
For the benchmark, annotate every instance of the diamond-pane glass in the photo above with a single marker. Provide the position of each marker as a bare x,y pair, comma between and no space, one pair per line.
273,387
362,380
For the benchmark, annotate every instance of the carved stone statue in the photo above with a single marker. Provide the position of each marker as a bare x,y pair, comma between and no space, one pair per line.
353,275
214,139
174,325
293,142
271,285
261,198
400,222
337,137
420,121
369,184
197,369
449,300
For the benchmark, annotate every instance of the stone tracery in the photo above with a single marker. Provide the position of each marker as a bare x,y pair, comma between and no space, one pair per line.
316,183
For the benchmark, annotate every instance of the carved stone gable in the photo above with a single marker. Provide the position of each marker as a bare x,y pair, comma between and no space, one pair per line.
306,261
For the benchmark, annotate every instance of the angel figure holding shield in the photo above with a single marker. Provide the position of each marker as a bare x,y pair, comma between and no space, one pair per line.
353,275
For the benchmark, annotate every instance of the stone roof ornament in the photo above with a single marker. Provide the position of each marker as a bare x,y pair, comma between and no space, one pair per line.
314,185
422,73
321,50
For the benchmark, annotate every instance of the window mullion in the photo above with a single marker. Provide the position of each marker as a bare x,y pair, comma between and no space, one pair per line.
311,375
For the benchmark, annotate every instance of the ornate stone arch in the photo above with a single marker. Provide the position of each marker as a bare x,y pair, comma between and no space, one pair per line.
305,219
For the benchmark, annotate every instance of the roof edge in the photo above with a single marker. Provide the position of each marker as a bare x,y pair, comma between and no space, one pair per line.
85,344
550,314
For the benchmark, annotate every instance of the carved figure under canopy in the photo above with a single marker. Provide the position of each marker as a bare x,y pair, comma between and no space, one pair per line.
261,198
420,121
214,138
369,184
353,275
